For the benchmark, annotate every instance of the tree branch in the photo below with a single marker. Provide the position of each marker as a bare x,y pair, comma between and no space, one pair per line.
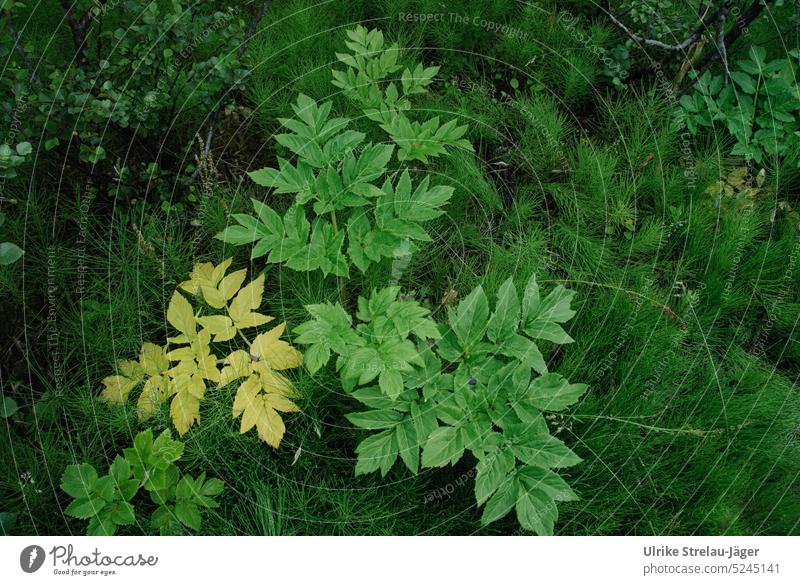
20,50
742,22
78,26
682,46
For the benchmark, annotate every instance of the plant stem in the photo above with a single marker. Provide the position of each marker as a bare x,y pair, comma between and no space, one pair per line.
686,431
342,282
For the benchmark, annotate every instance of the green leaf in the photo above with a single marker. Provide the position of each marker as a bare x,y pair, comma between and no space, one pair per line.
440,448
237,235
391,383
85,507
469,321
377,452
744,81
79,480
548,331
375,419
24,148
8,407
329,330
492,471
536,511
9,253
540,318
500,503
525,350
188,513
505,319
552,392
101,525
408,444
545,451
212,487
548,481
123,514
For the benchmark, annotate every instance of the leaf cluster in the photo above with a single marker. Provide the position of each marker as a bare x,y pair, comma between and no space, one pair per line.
479,383
759,109
150,464
362,211
368,80
179,371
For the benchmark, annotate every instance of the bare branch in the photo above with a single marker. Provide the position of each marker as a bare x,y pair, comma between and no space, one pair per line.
743,20
682,46
723,51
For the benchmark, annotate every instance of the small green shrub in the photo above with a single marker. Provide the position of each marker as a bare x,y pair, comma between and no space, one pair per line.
150,464
117,94
336,173
478,384
759,109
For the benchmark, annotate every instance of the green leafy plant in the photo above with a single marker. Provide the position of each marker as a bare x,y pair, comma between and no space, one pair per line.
478,384
379,347
759,109
164,63
150,464
367,81
179,371
9,252
357,220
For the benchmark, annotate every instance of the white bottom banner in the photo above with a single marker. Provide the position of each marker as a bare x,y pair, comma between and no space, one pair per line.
389,560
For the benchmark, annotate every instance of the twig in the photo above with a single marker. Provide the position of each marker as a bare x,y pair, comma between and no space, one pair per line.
251,31
18,46
79,26
723,52
682,46
687,64
743,20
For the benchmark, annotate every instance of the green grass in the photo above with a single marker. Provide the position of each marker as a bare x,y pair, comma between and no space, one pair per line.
686,328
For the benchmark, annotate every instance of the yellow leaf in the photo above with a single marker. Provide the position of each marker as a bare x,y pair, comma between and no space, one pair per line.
181,354
276,353
207,367
220,326
248,300
245,395
131,369
117,388
230,285
181,316
185,406
237,365
213,297
218,272
187,367
153,358
153,394
280,403
199,276
252,320
272,381
256,411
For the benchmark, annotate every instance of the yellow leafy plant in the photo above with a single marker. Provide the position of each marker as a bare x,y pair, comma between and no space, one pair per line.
180,370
